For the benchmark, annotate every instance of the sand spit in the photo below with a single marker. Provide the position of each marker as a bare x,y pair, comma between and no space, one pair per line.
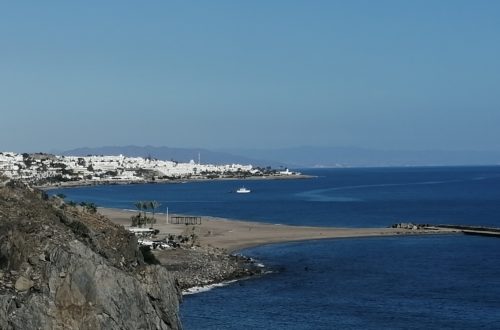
210,259
233,235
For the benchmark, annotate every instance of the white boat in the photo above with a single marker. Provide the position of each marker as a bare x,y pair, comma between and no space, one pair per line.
243,190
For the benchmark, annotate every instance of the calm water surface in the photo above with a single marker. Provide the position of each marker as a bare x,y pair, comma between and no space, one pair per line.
338,197
438,282
374,283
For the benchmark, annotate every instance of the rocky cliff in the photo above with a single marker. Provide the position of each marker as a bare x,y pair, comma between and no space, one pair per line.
62,267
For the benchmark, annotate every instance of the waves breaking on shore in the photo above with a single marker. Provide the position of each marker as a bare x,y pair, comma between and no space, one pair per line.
205,288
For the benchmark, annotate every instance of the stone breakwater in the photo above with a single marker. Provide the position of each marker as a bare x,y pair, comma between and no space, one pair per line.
61,268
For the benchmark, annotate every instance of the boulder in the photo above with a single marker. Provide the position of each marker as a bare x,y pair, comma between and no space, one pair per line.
23,284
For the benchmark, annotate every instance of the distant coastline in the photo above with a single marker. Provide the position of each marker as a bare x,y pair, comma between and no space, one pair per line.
87,183
47,170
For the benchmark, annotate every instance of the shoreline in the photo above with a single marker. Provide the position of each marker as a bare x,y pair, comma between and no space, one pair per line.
211,257
233,235
91,183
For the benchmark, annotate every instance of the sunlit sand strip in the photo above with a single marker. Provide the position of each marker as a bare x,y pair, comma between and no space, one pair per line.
234,235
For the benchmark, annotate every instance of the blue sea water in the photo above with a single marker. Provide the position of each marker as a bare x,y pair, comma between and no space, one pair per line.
336,197
436,282
375,283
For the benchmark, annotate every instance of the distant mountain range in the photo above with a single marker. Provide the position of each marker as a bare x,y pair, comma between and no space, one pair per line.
302,157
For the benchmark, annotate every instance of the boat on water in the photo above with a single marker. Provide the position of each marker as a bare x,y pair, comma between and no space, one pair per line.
243,190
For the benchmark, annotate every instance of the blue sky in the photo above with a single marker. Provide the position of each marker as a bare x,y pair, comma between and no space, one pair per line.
250,74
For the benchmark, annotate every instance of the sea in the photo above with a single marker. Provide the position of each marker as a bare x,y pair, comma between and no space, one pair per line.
410,282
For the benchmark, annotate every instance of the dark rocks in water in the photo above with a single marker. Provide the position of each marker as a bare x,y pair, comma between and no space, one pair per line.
62,268
201,266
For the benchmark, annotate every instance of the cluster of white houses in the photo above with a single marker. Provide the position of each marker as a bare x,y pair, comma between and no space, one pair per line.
49,169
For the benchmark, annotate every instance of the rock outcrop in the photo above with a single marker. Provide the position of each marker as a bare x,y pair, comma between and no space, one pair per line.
206,265
64,268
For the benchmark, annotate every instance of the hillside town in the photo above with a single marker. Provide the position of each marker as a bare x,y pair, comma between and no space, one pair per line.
48,169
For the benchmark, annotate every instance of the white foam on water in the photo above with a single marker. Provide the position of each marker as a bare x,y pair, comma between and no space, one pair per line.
205,288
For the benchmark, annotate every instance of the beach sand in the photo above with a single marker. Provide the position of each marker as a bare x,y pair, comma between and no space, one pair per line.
233,235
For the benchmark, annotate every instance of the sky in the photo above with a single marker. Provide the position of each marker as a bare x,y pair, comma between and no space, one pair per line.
414,75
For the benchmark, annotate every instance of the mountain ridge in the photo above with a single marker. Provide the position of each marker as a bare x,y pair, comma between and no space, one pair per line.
170,153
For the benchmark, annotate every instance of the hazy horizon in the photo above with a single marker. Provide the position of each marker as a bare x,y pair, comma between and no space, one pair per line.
385,75
56,151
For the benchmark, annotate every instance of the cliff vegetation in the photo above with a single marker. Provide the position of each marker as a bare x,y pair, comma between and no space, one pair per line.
65,267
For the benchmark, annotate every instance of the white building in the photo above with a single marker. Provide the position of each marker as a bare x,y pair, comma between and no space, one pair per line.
108,168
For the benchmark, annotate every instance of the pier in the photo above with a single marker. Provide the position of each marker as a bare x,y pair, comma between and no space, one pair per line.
474,230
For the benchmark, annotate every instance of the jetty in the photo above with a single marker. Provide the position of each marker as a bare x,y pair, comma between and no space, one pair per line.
474,230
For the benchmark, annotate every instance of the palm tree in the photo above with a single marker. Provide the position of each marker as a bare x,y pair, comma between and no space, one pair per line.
138,221
138,206
91,207
153,205
144,206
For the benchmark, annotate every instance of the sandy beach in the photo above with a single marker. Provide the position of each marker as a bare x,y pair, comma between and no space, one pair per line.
233,235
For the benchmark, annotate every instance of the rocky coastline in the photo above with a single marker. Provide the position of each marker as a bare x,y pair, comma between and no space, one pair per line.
202,266
64,268
207,253
67,267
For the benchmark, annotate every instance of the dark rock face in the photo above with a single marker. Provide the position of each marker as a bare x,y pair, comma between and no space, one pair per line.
206,265
61,268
